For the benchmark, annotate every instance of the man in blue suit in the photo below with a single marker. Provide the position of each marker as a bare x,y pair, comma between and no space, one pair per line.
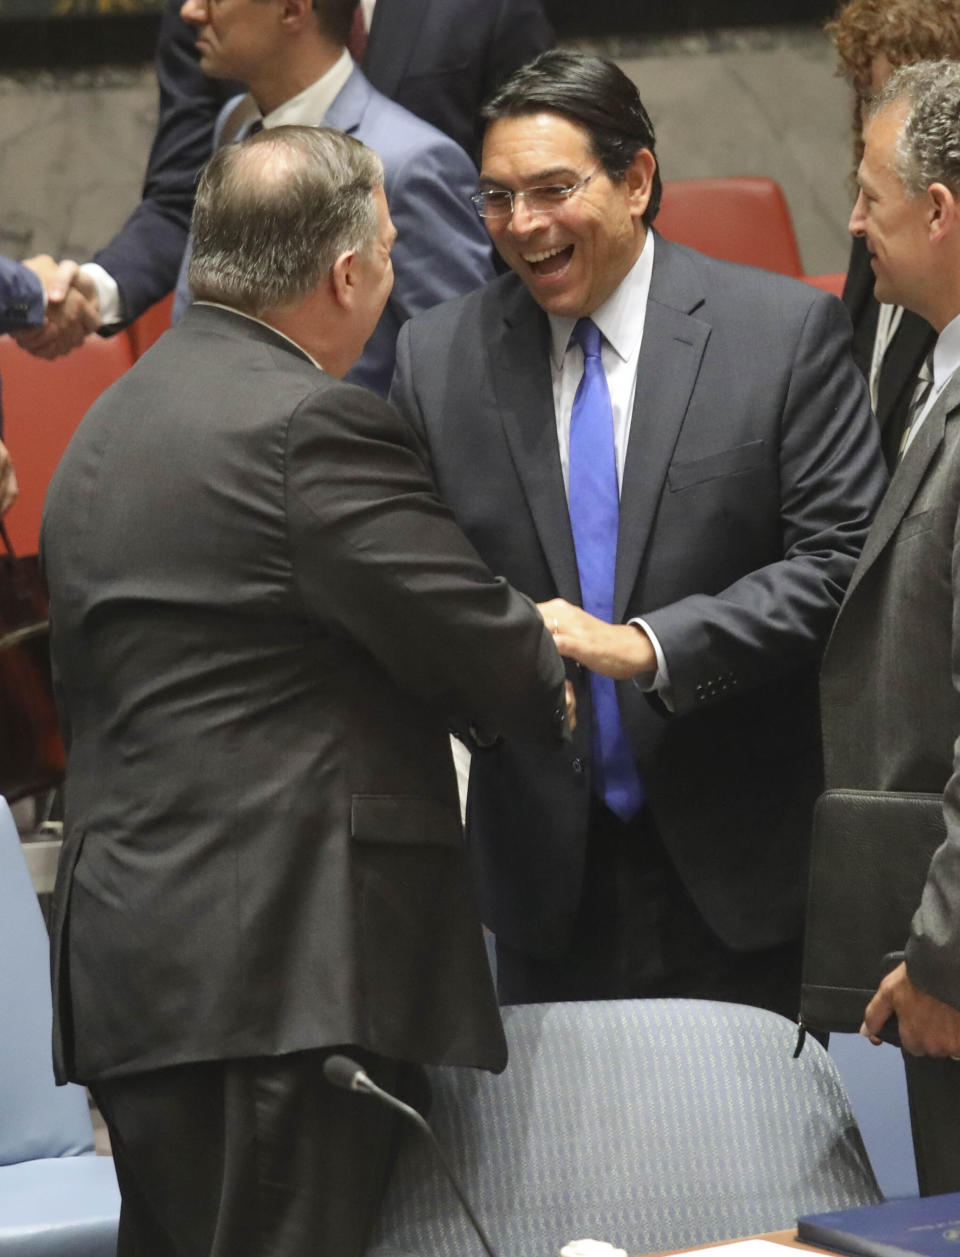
438,58
293,59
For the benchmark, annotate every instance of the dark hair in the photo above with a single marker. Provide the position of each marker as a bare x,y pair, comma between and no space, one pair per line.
274,213
591,92
335,18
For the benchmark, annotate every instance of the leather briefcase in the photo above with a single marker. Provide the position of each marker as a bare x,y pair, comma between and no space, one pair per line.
869,859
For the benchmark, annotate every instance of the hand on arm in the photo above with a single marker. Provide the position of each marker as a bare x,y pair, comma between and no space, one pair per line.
614,650
928,1026
72,308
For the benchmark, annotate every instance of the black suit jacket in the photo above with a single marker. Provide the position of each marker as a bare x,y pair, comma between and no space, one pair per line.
912,341
441,59
262,615
438,58
751,476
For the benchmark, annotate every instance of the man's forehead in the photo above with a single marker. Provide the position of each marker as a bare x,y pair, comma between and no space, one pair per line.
544,143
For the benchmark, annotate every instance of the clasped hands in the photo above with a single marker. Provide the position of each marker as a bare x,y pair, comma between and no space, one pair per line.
72,308
614,650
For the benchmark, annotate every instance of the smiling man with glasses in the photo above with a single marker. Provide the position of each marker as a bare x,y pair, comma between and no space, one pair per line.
676,455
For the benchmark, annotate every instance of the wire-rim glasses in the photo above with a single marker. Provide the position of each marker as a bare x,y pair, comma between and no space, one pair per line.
498,203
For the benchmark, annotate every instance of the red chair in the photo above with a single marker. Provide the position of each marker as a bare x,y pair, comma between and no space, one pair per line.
150,326
43,402
740,218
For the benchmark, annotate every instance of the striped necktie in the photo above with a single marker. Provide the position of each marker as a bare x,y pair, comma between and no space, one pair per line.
921,394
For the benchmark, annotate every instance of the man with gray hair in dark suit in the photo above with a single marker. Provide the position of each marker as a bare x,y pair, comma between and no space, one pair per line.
889,687
262,617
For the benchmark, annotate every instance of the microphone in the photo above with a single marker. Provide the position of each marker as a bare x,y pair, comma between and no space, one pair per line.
342,1072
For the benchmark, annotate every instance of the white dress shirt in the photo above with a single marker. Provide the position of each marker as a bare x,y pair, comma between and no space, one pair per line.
946,362
621,320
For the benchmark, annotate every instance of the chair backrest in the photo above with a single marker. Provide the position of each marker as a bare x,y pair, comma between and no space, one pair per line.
43,402
651,1124
39,1119
740,218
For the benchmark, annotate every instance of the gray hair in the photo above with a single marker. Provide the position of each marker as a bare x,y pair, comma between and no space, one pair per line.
274,213
928,146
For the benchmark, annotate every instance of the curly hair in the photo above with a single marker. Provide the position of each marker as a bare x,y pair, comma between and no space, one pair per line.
903,31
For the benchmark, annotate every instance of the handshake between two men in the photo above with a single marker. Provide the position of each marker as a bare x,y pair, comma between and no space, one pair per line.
617,651
72,308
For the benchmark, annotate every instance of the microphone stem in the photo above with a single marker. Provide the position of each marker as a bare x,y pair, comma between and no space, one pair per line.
367,1084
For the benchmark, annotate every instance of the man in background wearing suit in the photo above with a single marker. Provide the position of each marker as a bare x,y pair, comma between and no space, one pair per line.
438,58
714,516
292,55
889,689
36,295
262,616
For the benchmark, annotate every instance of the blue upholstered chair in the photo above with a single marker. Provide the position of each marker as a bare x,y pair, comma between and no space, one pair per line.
652,1124
57,1197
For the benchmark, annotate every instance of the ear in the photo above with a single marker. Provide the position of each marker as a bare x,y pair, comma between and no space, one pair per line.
639,179
294,14
943,212
343,279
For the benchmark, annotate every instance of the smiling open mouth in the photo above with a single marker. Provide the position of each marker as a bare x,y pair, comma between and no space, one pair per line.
550,261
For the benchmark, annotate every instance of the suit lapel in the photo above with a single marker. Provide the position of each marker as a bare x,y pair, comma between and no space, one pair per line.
394,33
670,356
906,481
519,359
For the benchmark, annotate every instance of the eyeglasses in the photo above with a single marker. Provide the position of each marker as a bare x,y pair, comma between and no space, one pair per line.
499,203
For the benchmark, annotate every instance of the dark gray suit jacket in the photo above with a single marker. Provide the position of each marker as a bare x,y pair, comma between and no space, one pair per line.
262,615
889,686
751,476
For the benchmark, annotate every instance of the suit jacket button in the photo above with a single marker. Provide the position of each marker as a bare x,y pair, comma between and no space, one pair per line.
577,765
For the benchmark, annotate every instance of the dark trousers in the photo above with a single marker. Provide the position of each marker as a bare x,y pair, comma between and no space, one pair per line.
248,1158
639,935
933,1090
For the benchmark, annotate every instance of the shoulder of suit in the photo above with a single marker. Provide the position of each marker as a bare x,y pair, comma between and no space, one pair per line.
720,277
400,132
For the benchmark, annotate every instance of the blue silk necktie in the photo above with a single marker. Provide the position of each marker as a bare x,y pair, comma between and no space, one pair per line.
595,518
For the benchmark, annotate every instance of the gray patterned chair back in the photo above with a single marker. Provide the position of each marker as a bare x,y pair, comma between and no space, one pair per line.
652,1124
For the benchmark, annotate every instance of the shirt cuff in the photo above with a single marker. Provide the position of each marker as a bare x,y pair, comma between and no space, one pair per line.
108,294
657,682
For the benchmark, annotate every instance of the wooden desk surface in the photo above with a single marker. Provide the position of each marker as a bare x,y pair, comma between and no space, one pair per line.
787,1238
